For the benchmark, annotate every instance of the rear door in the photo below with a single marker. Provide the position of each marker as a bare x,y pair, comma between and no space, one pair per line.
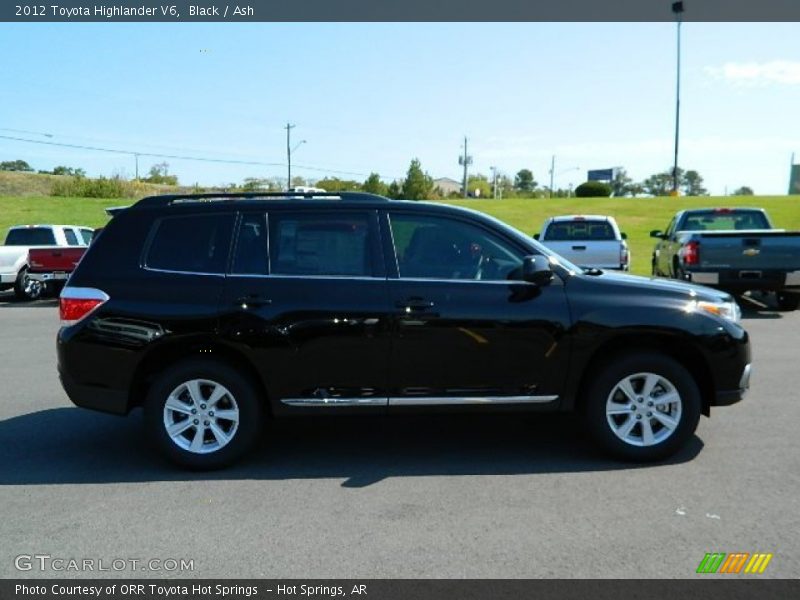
306,297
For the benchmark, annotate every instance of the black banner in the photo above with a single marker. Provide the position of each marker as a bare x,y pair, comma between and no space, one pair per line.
404,589
397,10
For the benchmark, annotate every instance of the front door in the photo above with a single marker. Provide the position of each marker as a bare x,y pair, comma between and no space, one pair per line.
467,331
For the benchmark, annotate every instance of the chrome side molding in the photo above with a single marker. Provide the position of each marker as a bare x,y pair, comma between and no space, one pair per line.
418,401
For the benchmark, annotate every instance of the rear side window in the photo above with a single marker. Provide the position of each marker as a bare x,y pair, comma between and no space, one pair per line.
569,231
191,244
320,244
251,246
31,236
72,239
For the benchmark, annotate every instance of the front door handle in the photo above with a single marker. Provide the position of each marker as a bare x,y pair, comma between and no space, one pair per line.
414,305
253,301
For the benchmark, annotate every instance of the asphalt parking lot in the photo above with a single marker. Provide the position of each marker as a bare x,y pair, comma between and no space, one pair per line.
496,497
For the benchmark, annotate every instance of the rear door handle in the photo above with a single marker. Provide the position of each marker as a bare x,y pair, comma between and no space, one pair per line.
253,301
414,304
579,247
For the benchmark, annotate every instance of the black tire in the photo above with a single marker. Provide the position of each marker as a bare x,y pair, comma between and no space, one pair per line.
787,302
605,379
24,291
245,398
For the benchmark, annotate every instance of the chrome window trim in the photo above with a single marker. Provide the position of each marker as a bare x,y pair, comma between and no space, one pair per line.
155,270
336,277
417,401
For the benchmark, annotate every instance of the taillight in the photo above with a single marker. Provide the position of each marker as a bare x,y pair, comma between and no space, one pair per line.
77,303
623,256
690,253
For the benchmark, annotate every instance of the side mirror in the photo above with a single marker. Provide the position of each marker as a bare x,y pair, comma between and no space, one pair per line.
536,236
536,269
624,235
657,233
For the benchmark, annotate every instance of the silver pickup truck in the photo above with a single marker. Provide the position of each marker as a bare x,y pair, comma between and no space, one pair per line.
591,241
734,249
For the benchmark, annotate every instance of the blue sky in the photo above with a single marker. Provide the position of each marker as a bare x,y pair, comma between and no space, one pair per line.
369,97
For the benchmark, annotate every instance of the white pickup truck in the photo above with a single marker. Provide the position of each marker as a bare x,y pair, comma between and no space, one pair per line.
19,241
591,241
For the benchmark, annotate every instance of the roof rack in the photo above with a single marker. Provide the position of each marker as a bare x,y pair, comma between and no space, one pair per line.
166,200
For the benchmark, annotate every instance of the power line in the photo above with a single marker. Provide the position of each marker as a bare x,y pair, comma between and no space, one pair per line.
180,157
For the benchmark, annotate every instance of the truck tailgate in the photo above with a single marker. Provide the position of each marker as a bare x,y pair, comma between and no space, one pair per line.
750,250
588,253
54,259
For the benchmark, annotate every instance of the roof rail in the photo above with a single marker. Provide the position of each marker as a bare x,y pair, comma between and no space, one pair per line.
166,200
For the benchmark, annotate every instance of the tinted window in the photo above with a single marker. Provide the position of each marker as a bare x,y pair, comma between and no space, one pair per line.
86,236
725,220
31,236
320,244
585,230
194,244
72,239
251,246
440,248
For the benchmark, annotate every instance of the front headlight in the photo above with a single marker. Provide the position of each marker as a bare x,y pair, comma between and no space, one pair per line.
726,310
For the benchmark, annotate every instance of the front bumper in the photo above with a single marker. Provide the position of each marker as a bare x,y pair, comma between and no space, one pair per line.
728,397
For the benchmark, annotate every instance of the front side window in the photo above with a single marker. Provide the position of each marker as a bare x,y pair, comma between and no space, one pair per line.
328,244
86,236
428,247
191,244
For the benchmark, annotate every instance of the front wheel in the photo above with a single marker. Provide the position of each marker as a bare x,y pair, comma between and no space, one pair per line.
203,414
642,407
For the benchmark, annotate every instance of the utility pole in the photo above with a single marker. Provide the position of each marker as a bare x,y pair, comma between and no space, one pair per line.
289,128
136,156
552,174
465,160
494,182
677,9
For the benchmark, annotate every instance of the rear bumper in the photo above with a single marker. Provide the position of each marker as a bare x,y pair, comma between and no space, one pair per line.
45,277
744,280
93,397
728,397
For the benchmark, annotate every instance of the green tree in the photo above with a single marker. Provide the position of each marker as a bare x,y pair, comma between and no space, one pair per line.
743,191
334,184
75,172
15,165
692,184
524,181
479,186
159,173
395,190
591,189
374,185
659,184
256,184
418,185
621,184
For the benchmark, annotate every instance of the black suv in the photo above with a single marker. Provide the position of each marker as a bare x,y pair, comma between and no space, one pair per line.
214,312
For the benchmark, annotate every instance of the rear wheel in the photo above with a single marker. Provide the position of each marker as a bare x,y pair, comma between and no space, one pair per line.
26,288
787,302
203,414
642,407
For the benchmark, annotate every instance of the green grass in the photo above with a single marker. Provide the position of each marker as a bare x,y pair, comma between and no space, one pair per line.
636,216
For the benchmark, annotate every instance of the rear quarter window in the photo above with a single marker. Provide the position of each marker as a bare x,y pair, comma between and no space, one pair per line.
191,243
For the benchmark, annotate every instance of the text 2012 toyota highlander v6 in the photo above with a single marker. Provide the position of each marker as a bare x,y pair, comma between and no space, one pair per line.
214,312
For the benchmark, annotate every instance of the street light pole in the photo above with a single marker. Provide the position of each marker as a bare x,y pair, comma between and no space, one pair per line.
552,175
677,9
289,128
